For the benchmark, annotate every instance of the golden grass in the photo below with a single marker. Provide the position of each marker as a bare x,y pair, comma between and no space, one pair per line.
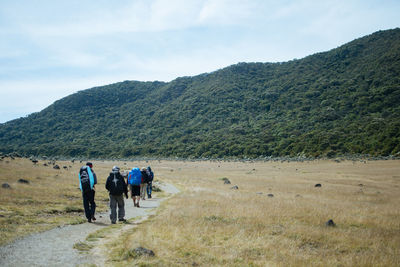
210,224
51,198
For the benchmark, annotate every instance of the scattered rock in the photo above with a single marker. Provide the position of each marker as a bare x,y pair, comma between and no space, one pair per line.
270,195
259,193
56,167
35,161
298,195
23,181
141,251
45,164
226,180
360,185
317,185
330,223
235,187
65,167
5,185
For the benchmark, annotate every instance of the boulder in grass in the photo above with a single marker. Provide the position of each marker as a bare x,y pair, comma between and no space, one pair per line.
270,195
56,167
23,181
317,185
226,180
6,186
141,251
235,187
330,223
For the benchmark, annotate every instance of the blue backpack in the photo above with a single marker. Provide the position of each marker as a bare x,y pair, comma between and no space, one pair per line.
135,177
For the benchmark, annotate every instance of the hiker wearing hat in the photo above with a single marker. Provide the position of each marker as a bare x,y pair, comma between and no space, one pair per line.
87,180
143,186
116,186
150,174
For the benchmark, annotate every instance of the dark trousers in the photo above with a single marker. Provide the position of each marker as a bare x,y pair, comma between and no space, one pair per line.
114,202
89,204
149,188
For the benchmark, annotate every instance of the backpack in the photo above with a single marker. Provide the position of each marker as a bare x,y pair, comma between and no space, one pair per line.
135,177
151,175
116,186
84,179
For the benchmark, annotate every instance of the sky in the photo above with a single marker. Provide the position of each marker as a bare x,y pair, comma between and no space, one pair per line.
51,49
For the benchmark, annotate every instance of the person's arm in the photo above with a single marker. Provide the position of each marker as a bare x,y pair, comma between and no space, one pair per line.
108,183
125,187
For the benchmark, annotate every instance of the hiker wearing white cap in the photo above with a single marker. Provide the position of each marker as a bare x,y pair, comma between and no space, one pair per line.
116,186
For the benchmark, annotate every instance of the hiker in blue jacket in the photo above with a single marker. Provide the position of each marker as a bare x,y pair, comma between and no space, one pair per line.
93,189
86,184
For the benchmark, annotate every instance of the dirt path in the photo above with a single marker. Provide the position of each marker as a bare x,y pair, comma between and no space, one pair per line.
55,247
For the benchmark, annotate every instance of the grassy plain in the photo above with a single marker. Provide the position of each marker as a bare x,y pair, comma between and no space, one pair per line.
210,224
51,198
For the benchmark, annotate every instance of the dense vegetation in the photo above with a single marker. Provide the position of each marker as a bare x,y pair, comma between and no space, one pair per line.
344,101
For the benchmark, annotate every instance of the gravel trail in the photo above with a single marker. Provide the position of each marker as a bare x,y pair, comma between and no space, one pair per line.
55,247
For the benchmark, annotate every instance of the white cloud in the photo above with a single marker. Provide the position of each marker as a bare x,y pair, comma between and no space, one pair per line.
49,49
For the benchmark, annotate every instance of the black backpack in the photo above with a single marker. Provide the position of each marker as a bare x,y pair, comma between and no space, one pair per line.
116,186
85,180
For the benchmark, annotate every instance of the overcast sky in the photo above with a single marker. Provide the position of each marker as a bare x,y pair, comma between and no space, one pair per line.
50,49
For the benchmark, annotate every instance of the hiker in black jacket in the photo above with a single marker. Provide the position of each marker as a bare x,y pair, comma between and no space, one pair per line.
116,186
150,175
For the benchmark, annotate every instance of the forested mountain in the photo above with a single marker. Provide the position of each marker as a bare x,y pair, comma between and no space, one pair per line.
344,101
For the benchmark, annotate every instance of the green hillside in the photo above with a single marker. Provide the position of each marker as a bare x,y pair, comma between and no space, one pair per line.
344,101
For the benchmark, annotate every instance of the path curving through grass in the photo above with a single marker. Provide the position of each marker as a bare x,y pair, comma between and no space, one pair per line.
56,247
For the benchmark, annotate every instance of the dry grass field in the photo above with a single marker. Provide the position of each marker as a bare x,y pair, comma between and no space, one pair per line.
51,198
210,224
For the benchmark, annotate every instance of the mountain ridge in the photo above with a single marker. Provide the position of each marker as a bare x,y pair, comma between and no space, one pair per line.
343,101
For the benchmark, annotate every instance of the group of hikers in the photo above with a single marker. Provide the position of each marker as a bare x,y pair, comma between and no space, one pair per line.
138,180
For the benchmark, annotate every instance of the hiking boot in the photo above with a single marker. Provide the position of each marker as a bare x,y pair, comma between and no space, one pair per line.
122,220
113,222
93,218
149,196
138,205
89,220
